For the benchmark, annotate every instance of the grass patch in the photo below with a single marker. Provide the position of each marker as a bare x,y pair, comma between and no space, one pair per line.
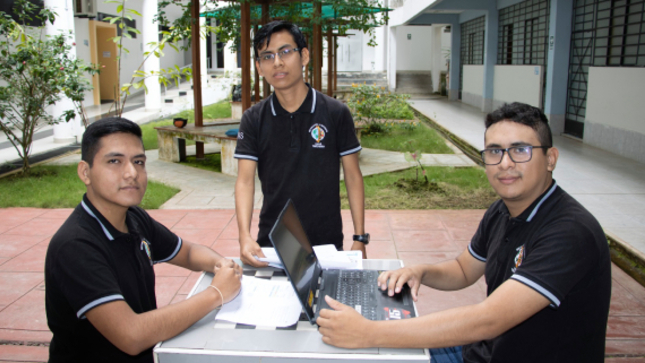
427,140
448,188
211,162
214,111
58,186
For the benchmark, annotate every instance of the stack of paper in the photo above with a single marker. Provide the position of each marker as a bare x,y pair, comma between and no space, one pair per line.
328,256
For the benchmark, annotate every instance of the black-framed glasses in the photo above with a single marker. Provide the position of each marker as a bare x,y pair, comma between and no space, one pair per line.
518,154
269,58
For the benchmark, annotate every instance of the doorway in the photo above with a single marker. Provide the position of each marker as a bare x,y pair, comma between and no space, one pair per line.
350,53
104,52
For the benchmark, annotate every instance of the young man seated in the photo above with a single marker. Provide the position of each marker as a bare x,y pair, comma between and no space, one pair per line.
544,256
99,276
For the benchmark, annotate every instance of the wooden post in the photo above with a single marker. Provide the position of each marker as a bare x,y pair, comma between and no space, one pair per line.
266,91
246,54
197,77
335,64
317,65
330,82
257,75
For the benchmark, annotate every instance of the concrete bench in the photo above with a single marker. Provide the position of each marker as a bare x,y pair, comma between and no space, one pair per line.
172,141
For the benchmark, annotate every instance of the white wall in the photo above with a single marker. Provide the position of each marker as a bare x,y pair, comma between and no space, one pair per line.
414,54
517,83
614,118
473,85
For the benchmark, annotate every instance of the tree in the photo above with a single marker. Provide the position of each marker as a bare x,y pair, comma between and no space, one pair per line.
37,72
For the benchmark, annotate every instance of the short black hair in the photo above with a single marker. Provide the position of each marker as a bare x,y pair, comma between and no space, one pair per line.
263,37
110,125
523,114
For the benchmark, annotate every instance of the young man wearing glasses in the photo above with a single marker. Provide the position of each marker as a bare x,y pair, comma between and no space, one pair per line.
297,139
544,257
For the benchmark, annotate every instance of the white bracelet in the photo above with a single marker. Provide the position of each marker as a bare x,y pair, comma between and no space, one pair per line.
220,295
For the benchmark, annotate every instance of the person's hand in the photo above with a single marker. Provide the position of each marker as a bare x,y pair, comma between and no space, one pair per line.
343,327
248,250
360,246
397,278
228,277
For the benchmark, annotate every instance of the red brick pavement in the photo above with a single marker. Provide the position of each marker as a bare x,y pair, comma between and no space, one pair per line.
413,236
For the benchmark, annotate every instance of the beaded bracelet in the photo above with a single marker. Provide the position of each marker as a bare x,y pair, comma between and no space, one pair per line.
220,295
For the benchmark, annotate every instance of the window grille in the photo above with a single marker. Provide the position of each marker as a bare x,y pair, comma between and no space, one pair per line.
472,45
524,33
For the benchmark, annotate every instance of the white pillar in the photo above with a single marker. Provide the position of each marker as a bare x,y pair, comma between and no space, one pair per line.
203,69
150,33
230,57
391,59
64,132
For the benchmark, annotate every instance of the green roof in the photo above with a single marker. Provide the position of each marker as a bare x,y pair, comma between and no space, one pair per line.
305,10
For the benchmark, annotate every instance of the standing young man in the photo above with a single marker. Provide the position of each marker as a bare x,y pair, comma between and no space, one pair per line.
297,139
545,258
99,276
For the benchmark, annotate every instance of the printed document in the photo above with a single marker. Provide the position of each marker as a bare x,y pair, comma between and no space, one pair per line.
263,302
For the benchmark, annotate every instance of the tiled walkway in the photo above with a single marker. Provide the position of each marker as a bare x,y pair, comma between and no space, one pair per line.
413,236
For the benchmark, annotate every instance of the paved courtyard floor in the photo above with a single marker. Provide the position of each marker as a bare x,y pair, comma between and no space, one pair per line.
413,236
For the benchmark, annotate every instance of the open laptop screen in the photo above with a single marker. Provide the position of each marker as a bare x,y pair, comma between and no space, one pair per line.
293,247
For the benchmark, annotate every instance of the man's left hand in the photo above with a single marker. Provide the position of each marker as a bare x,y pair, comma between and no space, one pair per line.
343,327
360,246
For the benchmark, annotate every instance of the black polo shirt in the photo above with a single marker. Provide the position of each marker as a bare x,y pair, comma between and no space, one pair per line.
298,156
557,248
90,263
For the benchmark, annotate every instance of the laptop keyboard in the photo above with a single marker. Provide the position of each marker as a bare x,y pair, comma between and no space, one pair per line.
357,288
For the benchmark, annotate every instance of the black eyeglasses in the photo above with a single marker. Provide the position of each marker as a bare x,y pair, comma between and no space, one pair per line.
269,58
518,154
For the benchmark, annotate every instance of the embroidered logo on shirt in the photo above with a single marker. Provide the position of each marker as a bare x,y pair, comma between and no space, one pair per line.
519,258
145,246
318,133
240,135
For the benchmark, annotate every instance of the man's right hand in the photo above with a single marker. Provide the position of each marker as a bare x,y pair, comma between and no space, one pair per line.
248,250
397,278
227,279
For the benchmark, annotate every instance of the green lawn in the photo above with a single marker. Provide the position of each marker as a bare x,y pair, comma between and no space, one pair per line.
58,186
448,188
211,162
425,139
216,110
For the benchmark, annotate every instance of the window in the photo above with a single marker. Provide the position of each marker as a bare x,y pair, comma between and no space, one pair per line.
524,33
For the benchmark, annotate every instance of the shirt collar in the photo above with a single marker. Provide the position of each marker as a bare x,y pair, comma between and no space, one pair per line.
307,106
110,232
529,213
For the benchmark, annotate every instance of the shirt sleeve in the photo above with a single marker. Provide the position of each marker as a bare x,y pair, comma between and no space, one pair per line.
347,140
478,246
247,138
85,277
557,260
164,244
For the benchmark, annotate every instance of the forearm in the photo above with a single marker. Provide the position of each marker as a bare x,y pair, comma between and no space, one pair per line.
448,328
135,333
355,192
244,195
202,258
445,276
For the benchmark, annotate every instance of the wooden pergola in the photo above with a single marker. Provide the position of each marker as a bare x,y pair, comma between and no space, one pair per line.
316,50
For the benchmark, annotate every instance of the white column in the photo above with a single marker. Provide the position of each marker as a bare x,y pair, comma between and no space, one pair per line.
64,132
230,57
203,69
391,59
150,33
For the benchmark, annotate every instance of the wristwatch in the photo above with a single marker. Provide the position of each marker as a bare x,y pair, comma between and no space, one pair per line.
364,238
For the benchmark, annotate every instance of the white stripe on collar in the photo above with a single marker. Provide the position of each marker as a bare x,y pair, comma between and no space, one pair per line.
89,211
313,103
548,194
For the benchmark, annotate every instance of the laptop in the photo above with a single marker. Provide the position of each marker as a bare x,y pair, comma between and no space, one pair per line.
356,288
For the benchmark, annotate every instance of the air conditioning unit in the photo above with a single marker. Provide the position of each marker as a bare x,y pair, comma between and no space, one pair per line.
85,8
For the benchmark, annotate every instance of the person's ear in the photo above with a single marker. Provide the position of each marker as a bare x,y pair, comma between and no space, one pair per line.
552,158
257,66
304,56
83,171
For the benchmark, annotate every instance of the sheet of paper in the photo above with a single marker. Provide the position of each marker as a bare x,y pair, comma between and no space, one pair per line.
263,302
271,257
